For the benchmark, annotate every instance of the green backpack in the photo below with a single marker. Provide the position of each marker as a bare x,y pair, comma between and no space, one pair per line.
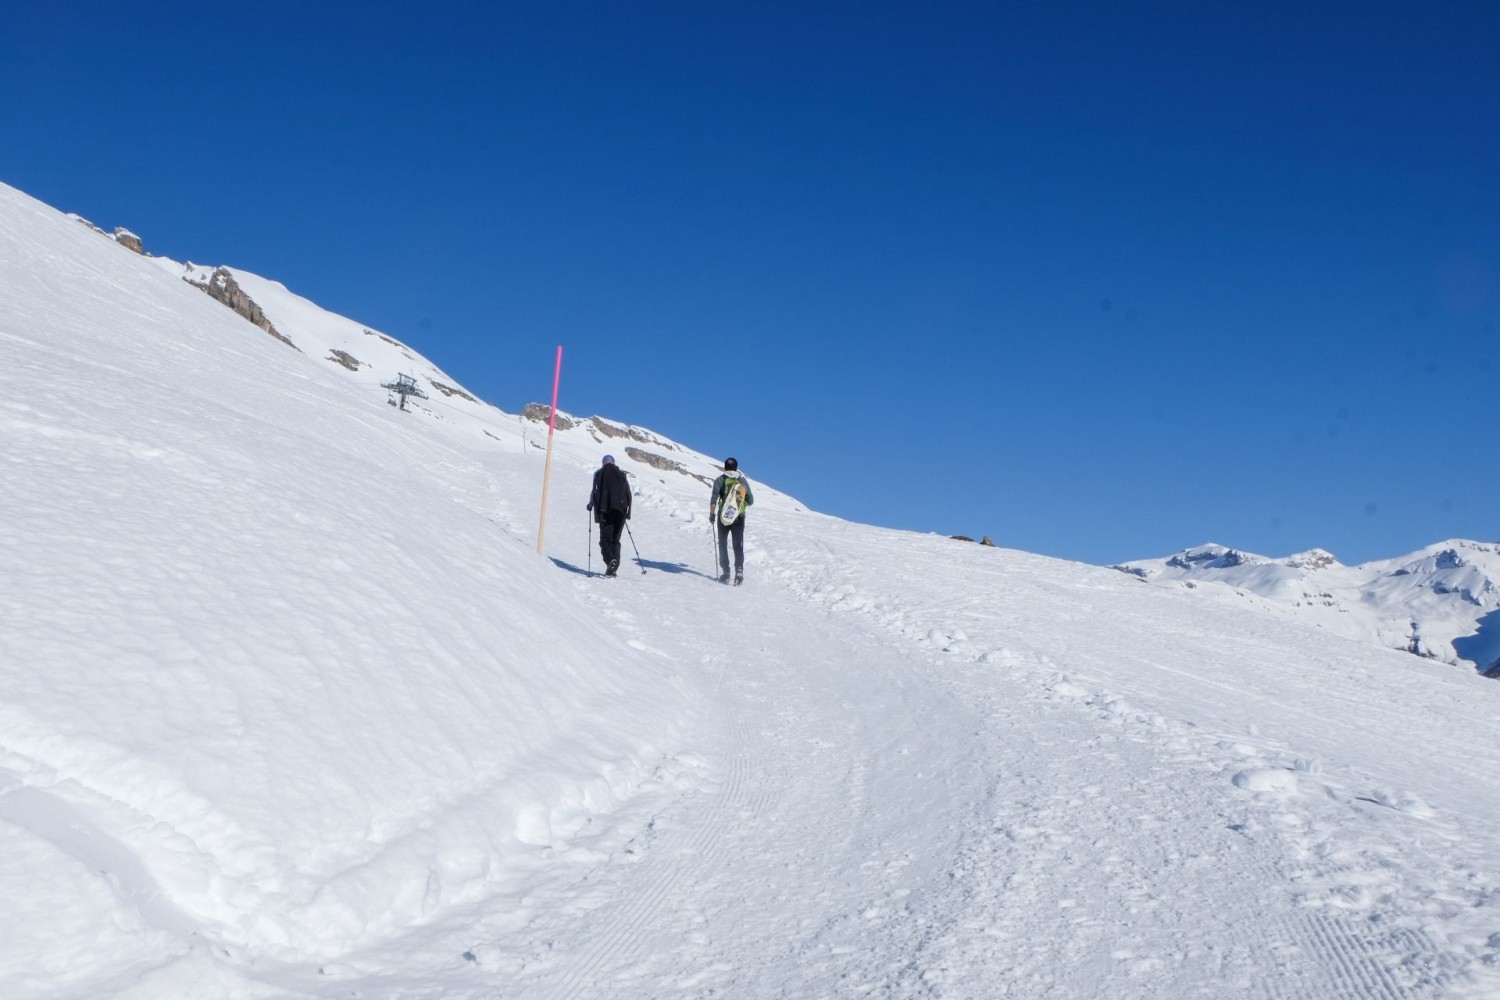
732,497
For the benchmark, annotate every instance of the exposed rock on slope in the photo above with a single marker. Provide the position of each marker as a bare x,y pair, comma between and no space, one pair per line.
221,286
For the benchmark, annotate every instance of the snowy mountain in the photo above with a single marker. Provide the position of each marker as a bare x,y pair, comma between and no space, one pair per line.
1442,601
291,706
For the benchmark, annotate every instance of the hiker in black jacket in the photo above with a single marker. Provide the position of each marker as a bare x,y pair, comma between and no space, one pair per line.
726,494
610,503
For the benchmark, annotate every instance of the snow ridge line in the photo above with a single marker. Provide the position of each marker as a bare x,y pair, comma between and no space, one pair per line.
114,782
190,868
67,828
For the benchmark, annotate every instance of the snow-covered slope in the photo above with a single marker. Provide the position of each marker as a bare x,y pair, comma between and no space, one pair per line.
1442,601
374,360
231,568
290,706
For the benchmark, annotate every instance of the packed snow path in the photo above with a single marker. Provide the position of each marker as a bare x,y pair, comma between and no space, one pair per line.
891,806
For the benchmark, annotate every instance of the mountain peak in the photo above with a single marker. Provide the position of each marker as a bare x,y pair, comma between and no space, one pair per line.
1432,602
1312,559
1211,555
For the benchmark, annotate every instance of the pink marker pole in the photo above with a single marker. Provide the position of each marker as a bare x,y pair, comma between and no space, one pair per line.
547,468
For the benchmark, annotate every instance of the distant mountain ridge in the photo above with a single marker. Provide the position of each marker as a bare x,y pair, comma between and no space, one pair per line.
1441,601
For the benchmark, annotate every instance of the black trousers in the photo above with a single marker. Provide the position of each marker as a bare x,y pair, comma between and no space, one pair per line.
611,526
737,530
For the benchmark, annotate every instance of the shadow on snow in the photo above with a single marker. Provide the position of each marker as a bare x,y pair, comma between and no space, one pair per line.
1483,647
644,564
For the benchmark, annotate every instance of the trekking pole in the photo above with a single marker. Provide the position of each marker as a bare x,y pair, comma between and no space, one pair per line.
713,540
591,544
638,561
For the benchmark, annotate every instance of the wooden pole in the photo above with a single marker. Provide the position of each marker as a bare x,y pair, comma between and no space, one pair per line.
547,467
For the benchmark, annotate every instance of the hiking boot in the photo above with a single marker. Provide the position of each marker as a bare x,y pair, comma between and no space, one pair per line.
614,566
725,577
739,578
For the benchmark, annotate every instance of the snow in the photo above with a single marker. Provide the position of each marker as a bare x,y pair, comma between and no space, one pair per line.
1437,599
290,706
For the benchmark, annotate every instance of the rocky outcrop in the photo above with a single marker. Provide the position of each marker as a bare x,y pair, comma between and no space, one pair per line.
1312,559
1209,556
393,342
344,358
662,462
222,287
613,430
450,391
541,411
85,222
130,241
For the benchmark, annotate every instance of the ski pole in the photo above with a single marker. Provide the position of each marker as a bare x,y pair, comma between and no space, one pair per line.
638,560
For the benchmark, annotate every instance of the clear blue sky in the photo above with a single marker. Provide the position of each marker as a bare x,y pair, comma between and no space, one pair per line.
1098,280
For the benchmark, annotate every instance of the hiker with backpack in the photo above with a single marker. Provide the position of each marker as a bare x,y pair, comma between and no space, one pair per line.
610,502
727,503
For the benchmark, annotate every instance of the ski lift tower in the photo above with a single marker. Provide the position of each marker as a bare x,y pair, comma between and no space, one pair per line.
405,385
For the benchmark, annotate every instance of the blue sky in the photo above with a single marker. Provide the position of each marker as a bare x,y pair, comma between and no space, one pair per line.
1098,281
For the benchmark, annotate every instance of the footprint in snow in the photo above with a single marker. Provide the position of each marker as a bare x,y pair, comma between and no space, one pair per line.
1402,802
1065,688
1276,782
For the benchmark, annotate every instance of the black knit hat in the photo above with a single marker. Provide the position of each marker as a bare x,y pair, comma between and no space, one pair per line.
730,465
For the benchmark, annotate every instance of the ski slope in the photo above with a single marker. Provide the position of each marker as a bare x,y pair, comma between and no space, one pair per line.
290,706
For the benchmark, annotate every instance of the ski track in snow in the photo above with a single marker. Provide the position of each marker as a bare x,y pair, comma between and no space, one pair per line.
777,783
